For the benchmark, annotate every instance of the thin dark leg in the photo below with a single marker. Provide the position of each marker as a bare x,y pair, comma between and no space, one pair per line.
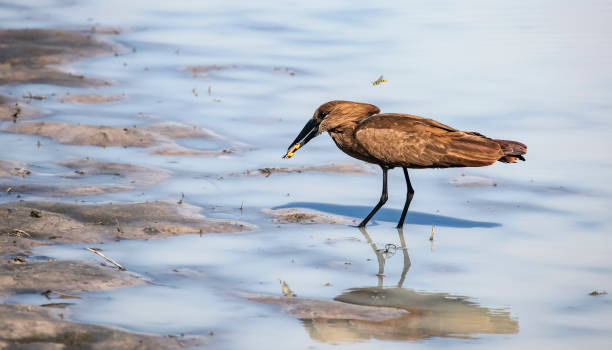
381,202
409,196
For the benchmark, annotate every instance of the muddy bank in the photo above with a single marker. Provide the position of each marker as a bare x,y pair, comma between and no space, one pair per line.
90,99
303,308
61,190
35,327
33,56
24,225
134,174
65,276
11,168
66,222
123,177
17,110
333,168
159,137
306,216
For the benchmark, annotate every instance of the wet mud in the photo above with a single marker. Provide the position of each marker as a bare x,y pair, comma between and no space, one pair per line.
10,168
109,177
66,222
24,225
33,56
16,110
66,276
90,99
304,308
36,327
161,135
306,216
332,168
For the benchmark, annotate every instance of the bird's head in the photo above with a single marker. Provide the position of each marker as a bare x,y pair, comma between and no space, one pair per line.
331,116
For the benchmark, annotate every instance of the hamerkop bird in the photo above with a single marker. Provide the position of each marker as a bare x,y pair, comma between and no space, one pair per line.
402,140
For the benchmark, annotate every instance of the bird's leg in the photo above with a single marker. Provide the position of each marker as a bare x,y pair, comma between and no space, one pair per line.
409,196
381,202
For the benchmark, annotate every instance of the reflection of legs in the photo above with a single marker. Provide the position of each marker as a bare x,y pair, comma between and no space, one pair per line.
409,195
379,256
406,257
381,202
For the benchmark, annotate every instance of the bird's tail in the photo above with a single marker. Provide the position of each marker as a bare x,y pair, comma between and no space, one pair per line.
512,151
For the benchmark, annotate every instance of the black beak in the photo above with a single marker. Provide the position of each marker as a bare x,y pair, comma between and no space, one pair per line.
310,130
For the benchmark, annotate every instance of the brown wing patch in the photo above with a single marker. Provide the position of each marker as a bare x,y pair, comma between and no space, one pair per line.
421,120
414,142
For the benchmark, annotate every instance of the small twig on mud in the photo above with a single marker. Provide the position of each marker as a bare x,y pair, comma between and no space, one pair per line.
119,230
96,251
18,233
16,113
181,200
62,295
34,97
286,290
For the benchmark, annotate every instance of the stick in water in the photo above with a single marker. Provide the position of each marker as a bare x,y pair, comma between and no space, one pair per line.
94,250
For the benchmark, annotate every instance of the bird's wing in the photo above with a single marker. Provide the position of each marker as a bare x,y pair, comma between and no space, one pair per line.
415,142
424,121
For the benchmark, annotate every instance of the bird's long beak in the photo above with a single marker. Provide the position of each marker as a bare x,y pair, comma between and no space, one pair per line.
310,130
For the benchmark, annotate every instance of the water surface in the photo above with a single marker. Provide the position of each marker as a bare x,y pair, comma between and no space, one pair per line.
522,255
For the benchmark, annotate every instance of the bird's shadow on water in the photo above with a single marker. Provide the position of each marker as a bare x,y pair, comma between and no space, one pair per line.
390,215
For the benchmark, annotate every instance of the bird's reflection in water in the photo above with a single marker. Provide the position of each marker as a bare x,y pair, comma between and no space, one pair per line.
430,314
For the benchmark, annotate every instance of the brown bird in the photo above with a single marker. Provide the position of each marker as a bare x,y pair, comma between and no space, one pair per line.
402,140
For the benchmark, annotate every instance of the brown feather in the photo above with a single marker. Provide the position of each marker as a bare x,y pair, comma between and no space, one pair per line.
414,142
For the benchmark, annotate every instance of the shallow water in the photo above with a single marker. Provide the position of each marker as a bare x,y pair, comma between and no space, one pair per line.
528,250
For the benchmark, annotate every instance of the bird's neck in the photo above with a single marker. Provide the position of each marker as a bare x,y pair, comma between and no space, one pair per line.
344,138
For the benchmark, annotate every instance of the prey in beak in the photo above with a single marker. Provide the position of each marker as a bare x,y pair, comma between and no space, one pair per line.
310,130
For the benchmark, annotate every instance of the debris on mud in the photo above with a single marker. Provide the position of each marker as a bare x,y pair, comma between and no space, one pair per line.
596,293
16,110
205,69
306,216
286,290
333,168
11,168
38,327
97,251
33,56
